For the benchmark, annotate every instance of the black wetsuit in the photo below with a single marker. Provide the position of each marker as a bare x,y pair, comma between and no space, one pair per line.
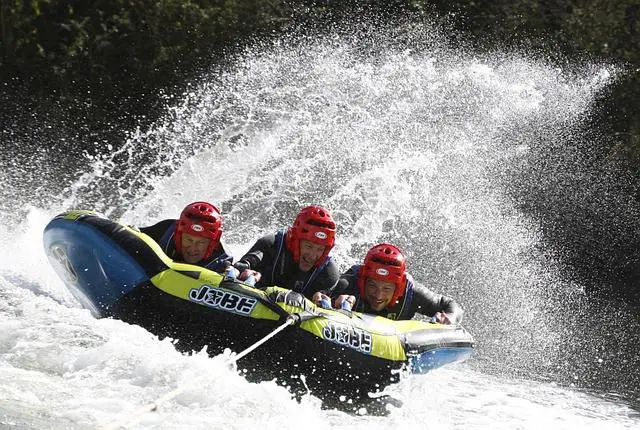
163,234
270,256
417,299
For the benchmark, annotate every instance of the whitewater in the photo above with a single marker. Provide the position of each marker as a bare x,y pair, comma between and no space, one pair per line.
407,140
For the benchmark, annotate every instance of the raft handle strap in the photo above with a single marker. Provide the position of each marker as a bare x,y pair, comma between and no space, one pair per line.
303,316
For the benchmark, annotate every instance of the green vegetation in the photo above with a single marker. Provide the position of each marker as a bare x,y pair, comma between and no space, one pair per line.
607,30
76,75
108,61
114,55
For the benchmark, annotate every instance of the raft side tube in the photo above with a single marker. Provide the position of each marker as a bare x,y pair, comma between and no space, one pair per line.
95,269
438,357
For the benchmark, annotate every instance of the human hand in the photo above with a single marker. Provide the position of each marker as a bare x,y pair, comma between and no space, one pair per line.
322,300
231,272
442,318
248,272
344,298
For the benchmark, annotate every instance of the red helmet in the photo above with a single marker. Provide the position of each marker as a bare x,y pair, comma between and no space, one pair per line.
200,219
384,262
315,224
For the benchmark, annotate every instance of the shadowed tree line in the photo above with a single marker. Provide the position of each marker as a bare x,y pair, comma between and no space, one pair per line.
590,218
110,61
105,64
75,72
606,30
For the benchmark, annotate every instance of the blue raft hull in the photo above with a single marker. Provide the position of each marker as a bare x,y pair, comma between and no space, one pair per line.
95,269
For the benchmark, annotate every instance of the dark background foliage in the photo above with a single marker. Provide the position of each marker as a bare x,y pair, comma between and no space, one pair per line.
112,60
94,70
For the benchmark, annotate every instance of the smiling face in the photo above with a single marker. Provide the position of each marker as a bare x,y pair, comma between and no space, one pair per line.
378,293
194,247
310,253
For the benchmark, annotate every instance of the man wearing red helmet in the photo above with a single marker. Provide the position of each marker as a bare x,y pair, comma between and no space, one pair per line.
298,259
382,286
194,238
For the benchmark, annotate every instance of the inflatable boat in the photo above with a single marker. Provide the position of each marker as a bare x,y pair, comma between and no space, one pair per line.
116,271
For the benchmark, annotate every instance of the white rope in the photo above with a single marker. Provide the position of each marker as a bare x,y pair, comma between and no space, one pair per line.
135,416
286,324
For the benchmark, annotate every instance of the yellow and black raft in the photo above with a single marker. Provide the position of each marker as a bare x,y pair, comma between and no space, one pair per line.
117,271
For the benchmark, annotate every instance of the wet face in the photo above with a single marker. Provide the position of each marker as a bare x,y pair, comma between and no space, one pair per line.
378,293
194,247
310,253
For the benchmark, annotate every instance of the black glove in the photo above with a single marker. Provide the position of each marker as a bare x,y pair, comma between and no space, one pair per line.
241,266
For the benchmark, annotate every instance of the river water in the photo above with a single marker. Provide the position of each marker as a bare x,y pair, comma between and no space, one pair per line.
406,140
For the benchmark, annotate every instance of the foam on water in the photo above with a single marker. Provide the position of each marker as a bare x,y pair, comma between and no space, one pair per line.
407,141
